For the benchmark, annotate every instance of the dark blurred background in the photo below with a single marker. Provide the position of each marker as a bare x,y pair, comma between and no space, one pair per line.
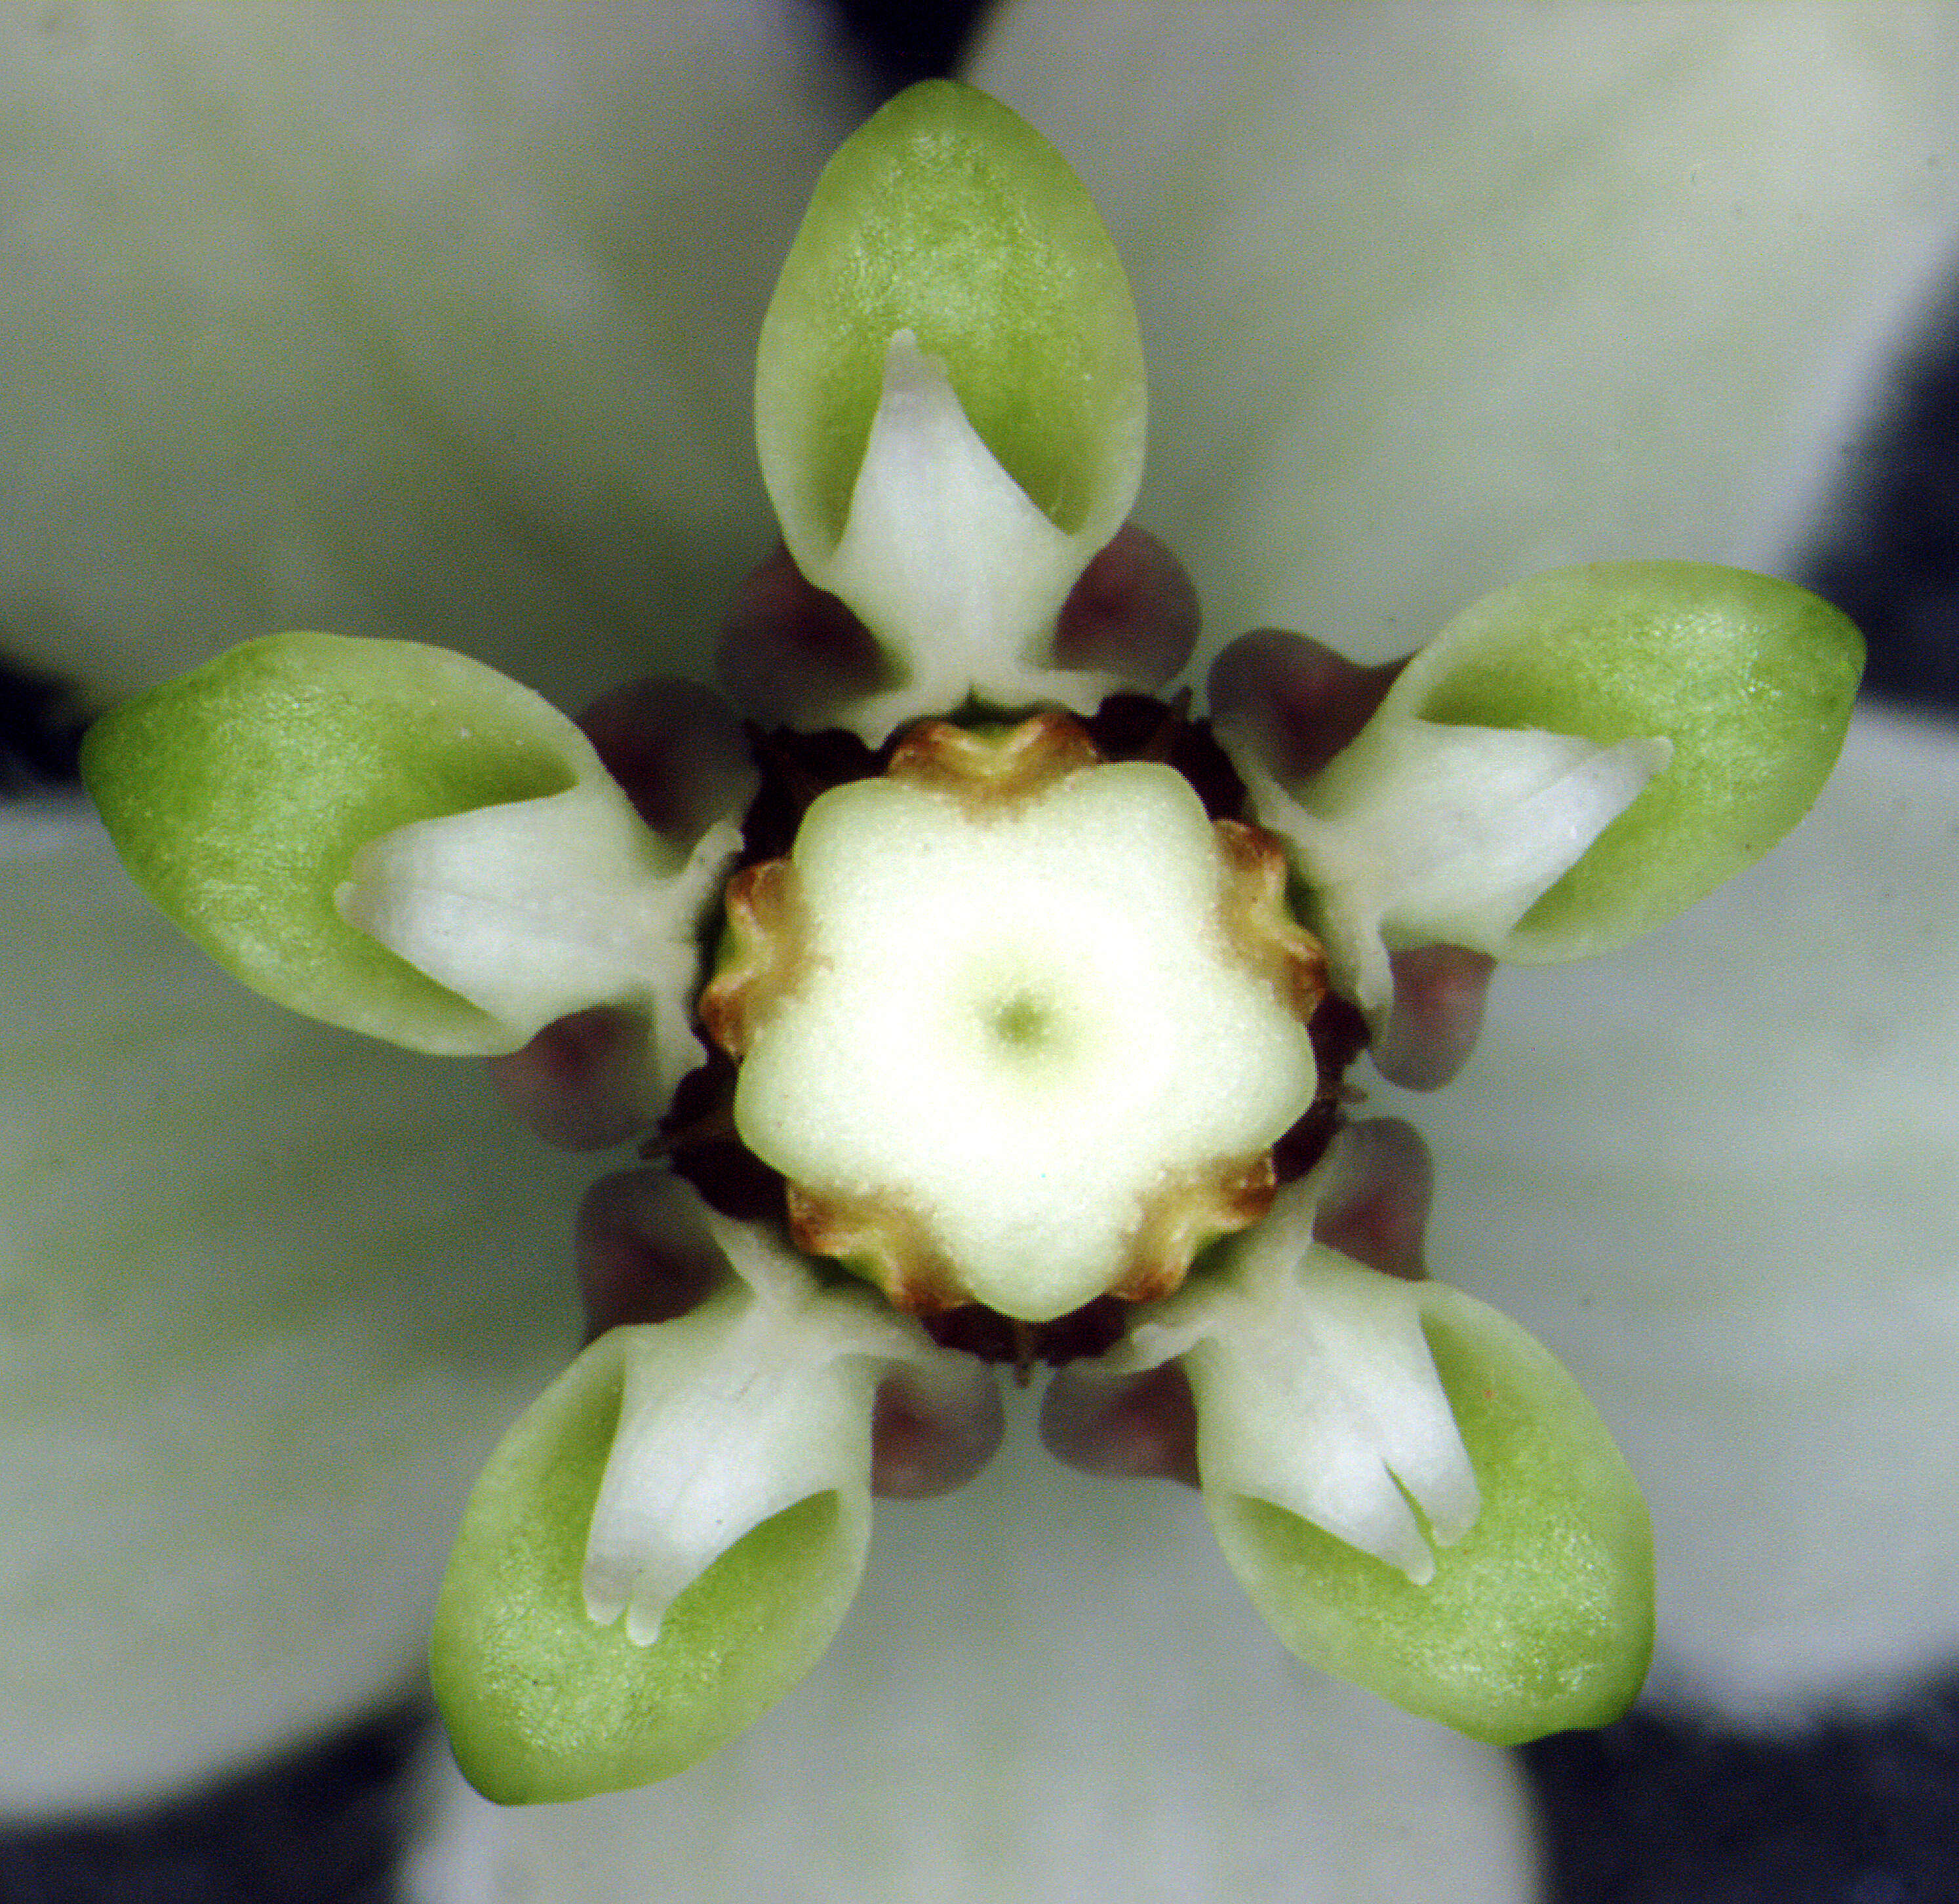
1659,1810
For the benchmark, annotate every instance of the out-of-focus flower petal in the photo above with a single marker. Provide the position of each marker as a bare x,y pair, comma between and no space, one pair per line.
1372,403
1436,297
434,322
271,1292
437,321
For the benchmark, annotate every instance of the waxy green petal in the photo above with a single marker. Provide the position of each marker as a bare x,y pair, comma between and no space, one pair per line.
948,221
1750,681
240,796
974,1734
1414,1494
708,1478
758,1400
948,216
1572,762
1740,1133
729,1416
1539,1617
543,1703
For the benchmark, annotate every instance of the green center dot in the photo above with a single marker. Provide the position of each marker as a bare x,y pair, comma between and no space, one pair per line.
1021,1021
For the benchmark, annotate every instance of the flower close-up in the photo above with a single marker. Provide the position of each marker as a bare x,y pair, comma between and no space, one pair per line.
1058,1014
1031,1031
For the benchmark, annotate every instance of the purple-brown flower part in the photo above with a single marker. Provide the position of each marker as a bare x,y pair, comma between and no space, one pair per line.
1300,703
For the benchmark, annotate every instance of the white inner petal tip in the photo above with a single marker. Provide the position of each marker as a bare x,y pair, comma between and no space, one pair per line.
1421,1571
605,1596
1421,834
947,561
758,1401
533,909
643,1626
611,1589
1451,1501
1317,1393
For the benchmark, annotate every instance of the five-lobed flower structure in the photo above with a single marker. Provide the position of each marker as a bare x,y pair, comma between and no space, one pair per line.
1032,1017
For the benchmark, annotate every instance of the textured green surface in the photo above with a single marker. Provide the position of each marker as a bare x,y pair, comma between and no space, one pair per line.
1541,1618
238,795
946,215
543,1704
1750,678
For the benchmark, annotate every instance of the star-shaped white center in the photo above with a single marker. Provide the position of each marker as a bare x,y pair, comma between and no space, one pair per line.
1020,1019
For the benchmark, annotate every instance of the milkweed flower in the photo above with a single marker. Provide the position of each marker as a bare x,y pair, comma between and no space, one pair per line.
1215,1769
1032,1034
